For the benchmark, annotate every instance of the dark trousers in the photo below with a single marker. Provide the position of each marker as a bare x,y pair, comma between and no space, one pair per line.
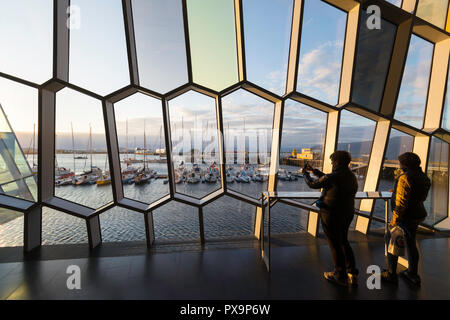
410,229
335,225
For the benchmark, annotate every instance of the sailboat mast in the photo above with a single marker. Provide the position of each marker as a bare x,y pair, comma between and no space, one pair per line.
127,140
73,147
145,147
34,139
90,142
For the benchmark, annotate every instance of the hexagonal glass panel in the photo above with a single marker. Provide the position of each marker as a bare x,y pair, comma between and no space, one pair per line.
195,144
302,140
18,136
433,11
287,219
437,170
160,44
62,228
212,37
228,217
397,3
140,132
11,231
98,60
121,225
81,161
356,136
247,125
372,64
398,143
446,116
412,97
26,30
176,221
321,50
267,44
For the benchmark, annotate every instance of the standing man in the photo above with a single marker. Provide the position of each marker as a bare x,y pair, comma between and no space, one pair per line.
337,207
410,191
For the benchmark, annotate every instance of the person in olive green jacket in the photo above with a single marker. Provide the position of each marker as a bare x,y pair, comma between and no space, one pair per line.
410,191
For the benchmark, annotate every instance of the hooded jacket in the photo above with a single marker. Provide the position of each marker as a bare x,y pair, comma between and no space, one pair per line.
410,191
338,188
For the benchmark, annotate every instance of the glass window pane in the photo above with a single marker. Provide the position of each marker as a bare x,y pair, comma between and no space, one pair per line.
81,162
303,136
121,225
437,170
356,136
195,144
212,36
397,3
11,231
433,11
446,115
372,64
321,50
267,44
140,131
62,228
412,97
26,34
247,125
98,54
160,44
176,222
227,217
398,143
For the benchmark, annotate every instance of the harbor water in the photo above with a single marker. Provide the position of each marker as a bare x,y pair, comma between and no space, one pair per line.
224,218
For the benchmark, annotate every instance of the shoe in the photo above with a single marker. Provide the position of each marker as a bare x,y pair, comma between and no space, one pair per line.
332,277
413,279
352,279
389,277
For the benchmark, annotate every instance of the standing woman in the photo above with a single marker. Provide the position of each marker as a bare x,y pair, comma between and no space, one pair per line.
337,207
410,191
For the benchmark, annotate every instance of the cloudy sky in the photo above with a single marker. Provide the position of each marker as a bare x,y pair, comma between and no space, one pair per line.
98,62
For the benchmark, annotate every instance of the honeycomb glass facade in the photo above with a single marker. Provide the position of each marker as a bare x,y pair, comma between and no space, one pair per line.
165,120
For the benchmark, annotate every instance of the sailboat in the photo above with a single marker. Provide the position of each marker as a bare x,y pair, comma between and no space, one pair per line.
142,176
63,176
88,176
105,178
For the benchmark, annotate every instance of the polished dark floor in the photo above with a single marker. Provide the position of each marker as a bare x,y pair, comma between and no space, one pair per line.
219,270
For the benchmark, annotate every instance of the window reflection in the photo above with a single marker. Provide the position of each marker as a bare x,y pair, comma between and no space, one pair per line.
437,170
433,11
412,97
321,50
267,44
398,144
372,64
247,125
356,136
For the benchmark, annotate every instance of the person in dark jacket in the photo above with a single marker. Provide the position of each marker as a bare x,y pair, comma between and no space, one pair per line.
410,191
337,207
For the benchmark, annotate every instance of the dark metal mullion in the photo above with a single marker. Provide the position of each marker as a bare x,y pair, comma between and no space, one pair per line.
187,41
168,142
221,137
242,44
130,41
113,149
